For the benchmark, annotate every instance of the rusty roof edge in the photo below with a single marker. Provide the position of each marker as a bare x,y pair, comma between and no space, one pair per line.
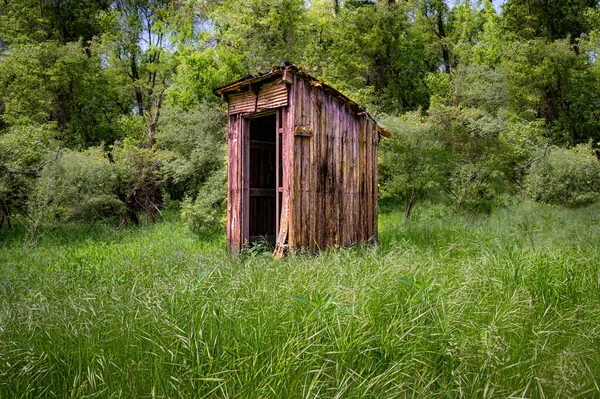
248,78
219,91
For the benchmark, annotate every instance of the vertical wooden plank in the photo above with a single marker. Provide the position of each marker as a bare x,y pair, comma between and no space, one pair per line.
368,176
337,168
351,174
244,150
308,182
234,222
364,192
237,224
296,148
299,157
305,181
291,160
286,230
375,138
347,179
353,179
312,236
361,180
230,196
328,172
322,171
342,188
277,171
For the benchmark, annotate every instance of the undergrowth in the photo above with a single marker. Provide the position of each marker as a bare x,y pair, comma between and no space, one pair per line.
504,305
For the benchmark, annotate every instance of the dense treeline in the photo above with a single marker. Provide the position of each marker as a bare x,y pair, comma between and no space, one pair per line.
107,111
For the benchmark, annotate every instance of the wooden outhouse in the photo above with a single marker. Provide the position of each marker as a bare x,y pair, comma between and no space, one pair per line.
302,163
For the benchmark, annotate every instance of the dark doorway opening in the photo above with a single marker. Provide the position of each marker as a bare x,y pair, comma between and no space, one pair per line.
262,190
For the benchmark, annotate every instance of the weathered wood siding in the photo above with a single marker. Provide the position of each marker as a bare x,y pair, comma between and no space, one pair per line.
328,166
334,174
269,96
237,185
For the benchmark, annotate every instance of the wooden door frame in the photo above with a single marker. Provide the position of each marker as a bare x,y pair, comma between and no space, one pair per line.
246,166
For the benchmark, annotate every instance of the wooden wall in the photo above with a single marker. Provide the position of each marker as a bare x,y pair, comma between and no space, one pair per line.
334,193
237,182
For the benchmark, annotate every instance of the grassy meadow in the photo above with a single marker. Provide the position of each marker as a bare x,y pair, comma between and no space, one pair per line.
496,306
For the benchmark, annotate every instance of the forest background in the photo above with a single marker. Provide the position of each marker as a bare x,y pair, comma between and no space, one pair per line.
107,110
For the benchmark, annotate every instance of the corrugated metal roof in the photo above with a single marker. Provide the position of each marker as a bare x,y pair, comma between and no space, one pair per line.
235,86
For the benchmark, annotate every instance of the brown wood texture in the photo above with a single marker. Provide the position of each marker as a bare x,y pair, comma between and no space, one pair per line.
335,182
272,96
269,96
235,183
242,102
288,174
327,166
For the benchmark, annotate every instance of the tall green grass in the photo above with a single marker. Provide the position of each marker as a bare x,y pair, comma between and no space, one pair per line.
506,305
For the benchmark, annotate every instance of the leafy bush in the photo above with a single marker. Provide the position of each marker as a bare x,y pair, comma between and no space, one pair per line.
92,185
568,177
195,144
206,211
24,150
139,178
412,160
76,186
472,186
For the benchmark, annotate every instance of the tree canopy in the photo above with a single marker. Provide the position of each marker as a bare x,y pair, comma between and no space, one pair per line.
126,86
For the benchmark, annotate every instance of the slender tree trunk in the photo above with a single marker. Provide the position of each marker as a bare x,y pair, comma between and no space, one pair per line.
442,37
410,202
4,214
154,121
139,98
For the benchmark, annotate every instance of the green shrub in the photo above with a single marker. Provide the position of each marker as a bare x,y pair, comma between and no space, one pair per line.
92,185
568,177
412,160
76,186
195,143
206,212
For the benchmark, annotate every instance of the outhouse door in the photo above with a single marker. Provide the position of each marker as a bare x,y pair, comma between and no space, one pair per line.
263,164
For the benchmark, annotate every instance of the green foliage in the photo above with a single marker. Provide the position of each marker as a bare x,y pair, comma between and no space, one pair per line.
24,151
568,177
61,84
266,32
75,186
201,71
207,211
552,20
367,51
195,143
480,161
62,21
139,178
554,82
412,160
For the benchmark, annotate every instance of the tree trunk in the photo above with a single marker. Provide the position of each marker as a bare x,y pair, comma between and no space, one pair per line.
442,36
154,121
4,215
139,98
410,202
